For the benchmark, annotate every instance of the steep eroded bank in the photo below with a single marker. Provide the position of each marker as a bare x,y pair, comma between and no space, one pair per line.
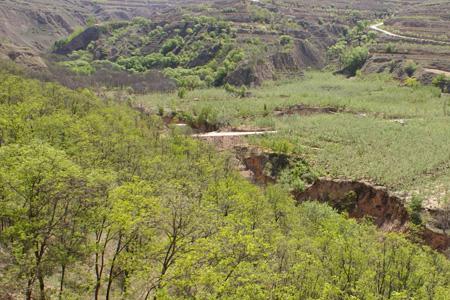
358,198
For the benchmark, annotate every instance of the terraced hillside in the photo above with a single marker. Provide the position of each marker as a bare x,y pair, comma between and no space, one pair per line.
37,24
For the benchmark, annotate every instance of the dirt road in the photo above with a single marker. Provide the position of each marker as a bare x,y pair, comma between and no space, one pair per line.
376,27
232,133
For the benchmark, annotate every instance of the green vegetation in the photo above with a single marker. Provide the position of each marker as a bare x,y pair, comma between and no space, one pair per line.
410,68
60,43
411,82
353,59
98,201
368,148
80,63
443,82
197,52
351,51
381,125
376,94
415,208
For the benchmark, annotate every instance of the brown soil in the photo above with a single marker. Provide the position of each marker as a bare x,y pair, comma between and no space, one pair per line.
23,56
264,166
359,199
362,199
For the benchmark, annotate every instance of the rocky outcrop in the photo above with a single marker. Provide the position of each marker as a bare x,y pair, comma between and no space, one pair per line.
81,41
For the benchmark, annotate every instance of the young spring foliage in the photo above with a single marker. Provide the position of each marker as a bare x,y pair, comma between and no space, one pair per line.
97,201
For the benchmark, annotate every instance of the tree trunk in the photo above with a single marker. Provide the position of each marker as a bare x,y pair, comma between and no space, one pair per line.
41,286
111,269
61,284
29,290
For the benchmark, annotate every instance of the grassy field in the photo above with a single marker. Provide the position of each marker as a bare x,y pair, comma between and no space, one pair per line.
374,94
386,152
388,134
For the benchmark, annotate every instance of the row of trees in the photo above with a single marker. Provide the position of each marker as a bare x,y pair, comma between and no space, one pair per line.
98,201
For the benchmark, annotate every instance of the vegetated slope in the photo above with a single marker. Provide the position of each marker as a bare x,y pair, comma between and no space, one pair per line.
266,42
119,208
195,51
37,24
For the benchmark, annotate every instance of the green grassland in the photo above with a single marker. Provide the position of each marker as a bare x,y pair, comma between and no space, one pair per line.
374,94
386,133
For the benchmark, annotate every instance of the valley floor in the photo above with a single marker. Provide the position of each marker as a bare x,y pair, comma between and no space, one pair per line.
366,128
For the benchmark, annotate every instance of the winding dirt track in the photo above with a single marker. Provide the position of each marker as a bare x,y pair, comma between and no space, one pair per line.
376,27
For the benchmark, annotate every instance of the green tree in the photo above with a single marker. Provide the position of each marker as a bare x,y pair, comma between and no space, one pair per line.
354,59
42,189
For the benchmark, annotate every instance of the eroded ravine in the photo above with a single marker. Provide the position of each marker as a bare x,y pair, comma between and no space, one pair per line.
359,199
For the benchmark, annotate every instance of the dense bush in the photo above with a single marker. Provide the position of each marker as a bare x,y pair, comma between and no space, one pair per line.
410,68
354,58
411,82
443,82
285,40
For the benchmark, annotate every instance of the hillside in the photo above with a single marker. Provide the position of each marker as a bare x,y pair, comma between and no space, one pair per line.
121,208
224,149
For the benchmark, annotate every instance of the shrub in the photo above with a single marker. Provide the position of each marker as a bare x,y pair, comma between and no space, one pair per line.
415,209
171,44
79,66
285,40
354,58
410,68
182,93
442,82
236,92
390,48
411,82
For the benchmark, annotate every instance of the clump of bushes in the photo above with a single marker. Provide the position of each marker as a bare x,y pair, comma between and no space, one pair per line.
298,175
411,82
205,120
442,82
80,63
410,68
354,58
390,48
240,92
285,40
